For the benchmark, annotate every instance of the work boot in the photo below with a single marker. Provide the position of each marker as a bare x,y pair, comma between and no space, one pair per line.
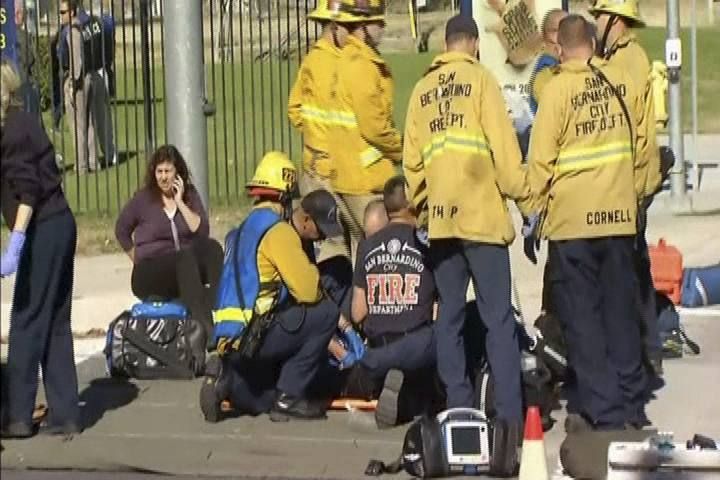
575,423
387,410
287,407
213,390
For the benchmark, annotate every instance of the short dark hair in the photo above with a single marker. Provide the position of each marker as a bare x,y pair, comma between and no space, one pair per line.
394,196
574,32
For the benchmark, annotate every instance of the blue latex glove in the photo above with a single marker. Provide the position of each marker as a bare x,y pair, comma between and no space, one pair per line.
11,257
355,343
348,360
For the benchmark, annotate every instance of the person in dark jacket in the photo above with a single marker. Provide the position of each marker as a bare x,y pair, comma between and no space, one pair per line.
164,230
41,249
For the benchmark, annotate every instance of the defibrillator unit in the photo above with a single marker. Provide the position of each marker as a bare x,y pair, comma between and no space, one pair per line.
456,441
466,435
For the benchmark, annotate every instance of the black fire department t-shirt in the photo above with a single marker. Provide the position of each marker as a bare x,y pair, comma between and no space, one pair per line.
392,268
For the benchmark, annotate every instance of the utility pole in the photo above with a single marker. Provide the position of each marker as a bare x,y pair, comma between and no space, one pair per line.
673,59
186,105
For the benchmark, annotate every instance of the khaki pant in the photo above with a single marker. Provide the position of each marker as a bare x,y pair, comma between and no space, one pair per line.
88,114
351,210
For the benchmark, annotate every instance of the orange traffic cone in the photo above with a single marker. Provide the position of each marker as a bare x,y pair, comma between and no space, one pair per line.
533,465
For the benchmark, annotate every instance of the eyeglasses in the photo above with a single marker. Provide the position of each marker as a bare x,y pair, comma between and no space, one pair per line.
63,12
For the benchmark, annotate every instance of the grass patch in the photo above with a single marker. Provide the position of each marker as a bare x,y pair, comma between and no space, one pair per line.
250,118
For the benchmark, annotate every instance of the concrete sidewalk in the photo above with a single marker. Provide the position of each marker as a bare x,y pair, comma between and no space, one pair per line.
157,427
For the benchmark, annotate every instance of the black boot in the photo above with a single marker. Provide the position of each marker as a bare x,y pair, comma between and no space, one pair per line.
388,406
213,390
287,407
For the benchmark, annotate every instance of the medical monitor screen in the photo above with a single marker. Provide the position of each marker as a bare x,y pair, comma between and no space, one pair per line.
465,440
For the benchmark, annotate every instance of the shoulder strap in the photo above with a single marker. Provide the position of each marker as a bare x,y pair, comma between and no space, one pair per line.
142,343
623,105
375,468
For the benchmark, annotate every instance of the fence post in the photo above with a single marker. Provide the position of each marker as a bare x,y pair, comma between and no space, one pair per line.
673,59
185,105
147,81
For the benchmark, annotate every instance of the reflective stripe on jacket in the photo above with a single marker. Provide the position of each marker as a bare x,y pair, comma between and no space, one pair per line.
627,55
581,167
364,143
461,157
312,108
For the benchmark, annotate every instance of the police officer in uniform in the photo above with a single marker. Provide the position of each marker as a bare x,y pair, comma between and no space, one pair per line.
81,56
586,181
276,278
393,297
619,46
365,146
462,161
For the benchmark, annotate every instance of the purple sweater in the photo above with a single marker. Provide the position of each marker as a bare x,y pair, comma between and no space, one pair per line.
144,224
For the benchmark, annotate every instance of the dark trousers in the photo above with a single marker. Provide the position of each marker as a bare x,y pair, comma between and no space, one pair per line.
455,261
183,275
40,332
411,352
646,299
288,360
593,295
336,279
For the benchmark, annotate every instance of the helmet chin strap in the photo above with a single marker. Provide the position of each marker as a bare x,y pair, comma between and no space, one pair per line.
286,203
334,30
602,44
368,39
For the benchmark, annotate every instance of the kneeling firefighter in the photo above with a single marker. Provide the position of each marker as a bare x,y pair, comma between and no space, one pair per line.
273,321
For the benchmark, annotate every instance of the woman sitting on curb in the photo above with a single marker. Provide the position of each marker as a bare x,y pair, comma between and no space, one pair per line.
164,229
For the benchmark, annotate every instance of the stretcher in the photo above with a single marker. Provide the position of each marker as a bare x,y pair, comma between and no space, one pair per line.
659,458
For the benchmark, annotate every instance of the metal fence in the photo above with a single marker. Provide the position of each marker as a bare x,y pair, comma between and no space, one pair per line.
252,49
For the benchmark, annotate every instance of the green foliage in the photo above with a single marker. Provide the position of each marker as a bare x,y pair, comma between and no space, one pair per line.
42,71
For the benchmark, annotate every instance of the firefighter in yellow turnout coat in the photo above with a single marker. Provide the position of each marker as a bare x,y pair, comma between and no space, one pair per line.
364,143
311,104
587,181
312,109
619,46
462,161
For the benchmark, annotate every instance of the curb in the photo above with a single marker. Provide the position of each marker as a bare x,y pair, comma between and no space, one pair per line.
90,314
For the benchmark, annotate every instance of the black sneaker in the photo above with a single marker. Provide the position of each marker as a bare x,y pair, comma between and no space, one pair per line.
287,407
211,392
386,412
17,430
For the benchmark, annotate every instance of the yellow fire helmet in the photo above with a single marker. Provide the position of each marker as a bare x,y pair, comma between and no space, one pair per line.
364,10
628,9
330,10
274,172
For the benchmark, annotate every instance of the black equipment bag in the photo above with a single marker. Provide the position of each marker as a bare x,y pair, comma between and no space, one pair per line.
155,340
423,452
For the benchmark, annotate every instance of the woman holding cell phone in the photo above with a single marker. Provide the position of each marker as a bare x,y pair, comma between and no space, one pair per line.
164,230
